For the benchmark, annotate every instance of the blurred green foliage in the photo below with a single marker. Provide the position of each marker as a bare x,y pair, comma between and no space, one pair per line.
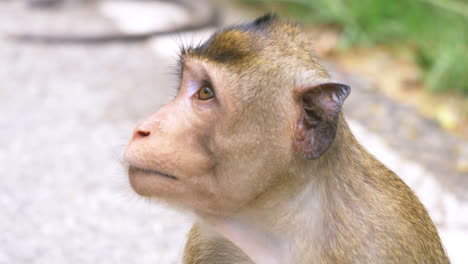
435,30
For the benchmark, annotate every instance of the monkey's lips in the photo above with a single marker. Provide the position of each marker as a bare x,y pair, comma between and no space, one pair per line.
151,183
132,170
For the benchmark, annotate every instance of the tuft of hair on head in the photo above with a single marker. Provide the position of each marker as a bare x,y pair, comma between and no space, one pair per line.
265,20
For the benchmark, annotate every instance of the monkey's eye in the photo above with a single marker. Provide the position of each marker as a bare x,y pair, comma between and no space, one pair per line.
205,93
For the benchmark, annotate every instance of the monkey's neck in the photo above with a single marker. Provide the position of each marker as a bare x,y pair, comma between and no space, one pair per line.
270,232
254,238
284,224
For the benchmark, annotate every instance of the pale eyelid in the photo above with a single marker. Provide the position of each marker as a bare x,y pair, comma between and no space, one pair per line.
197,79
193,87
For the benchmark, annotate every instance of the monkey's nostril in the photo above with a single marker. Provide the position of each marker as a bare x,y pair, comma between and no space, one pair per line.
143,133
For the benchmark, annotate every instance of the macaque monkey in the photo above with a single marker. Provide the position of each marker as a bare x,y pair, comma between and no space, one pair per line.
255,145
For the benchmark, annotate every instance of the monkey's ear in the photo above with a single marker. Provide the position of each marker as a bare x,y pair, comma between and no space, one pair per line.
316,129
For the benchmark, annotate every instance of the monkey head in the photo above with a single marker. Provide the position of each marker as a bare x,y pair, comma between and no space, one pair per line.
253,103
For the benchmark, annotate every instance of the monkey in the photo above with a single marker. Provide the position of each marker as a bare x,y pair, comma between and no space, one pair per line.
256,145
204,15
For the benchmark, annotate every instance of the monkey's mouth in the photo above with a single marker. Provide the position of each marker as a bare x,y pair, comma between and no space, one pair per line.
133,169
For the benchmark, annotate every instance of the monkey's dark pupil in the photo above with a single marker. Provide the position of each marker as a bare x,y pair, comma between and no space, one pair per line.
207,92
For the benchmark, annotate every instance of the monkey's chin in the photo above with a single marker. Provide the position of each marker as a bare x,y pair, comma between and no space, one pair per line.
149,182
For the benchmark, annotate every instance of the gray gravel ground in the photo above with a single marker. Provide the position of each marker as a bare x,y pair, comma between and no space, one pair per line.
65,115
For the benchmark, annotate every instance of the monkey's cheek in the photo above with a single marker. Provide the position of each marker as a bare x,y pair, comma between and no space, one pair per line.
151,185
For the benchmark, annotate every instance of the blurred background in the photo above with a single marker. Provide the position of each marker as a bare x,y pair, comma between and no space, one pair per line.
77,75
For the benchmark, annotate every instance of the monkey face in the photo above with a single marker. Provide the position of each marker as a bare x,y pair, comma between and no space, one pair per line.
195,150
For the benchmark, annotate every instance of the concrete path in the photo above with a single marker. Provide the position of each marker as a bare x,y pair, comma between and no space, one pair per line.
66,112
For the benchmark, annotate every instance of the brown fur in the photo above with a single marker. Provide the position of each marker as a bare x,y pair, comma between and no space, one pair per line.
269,165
